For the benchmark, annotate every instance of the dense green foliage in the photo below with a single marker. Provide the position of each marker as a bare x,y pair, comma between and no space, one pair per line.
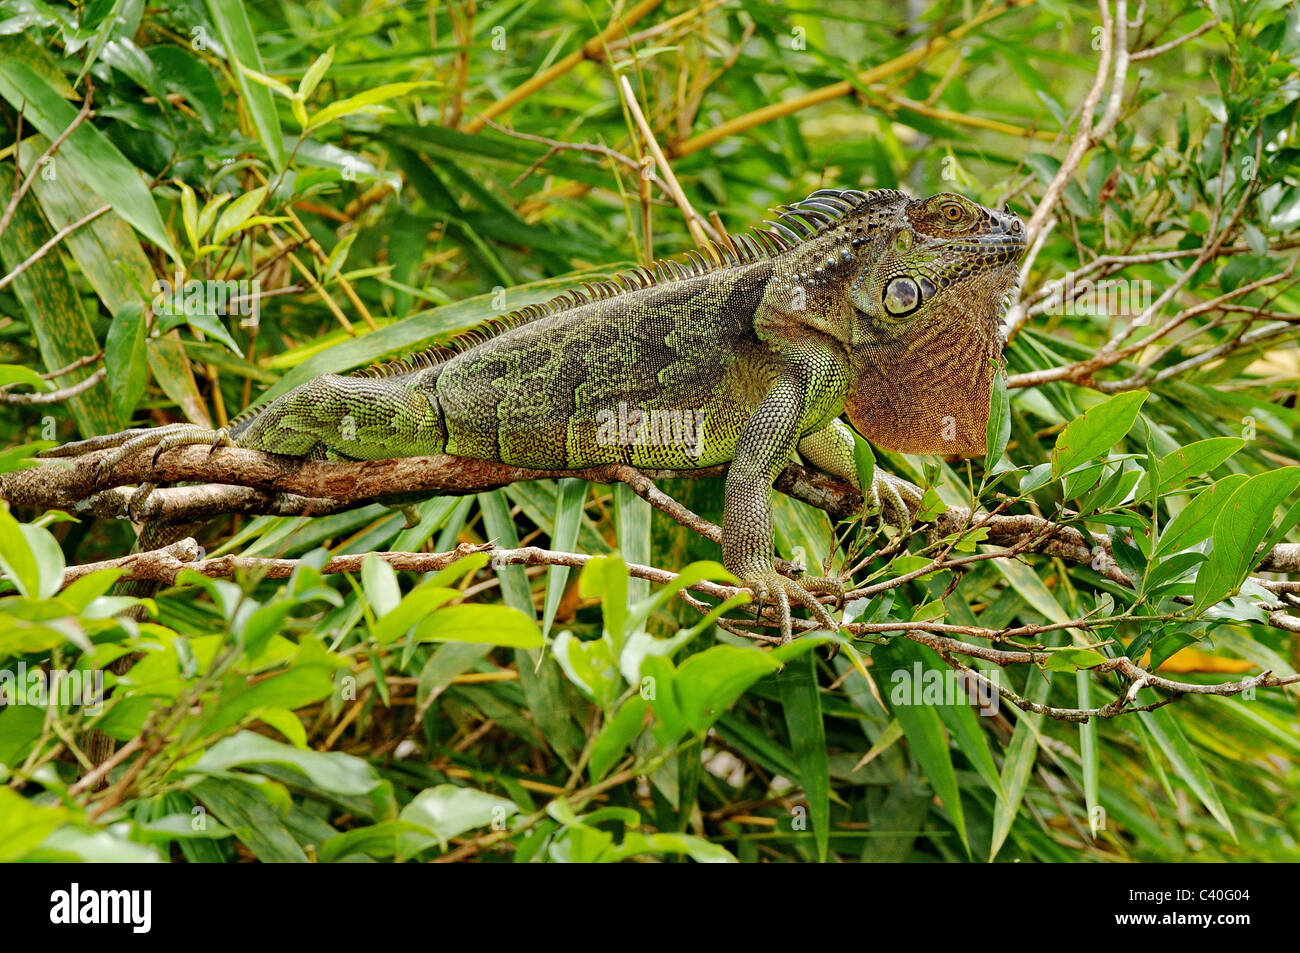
528,710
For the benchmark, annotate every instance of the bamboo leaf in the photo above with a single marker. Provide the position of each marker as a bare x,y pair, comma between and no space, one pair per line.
236,35
87,149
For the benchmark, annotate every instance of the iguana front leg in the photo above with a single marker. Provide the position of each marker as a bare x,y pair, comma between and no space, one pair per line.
831,450
762,451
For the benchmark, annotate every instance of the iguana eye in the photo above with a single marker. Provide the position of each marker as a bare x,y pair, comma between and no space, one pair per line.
952,212
902,296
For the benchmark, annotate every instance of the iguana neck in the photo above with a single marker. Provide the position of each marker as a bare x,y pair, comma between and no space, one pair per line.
928,391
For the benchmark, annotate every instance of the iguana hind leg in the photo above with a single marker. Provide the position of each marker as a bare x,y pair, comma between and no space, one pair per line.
831,450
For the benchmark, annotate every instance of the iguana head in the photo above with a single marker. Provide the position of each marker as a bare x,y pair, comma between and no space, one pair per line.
926,302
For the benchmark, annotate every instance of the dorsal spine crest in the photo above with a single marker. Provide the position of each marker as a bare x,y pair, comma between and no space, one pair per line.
795,224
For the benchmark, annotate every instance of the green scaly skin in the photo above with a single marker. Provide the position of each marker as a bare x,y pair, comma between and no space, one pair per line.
871,304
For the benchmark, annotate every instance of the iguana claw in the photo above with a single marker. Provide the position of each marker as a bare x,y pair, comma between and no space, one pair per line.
823,585
895,498
161,439
772,587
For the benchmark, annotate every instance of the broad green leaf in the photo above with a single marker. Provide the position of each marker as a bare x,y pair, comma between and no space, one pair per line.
448,811
250,814
998,429
330,771
95,158
1192,460
606,577
23,825
18,374
709,682
617,733
590,666
379,582
1096,431
16,556
1241,526
489,624
49,558
864,463
1195,522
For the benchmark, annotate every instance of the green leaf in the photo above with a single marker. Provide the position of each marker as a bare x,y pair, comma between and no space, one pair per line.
24,825
590,666
1192,460
365,102
801,703
210,324
415,607
569,500
924,731
709,682
330,771
248,811
16,557
237,213
448,811
998,429
1089,754
236,36
484,624
617,733
315,73
1171,741
1018,764
126,360
49,558
1195,521
606,577
18,374
864,462
1239,529
1096,431
95,158
379,582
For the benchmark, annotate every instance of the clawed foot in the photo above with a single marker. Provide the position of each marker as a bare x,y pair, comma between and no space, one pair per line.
135,503
895,498
771,588
128,442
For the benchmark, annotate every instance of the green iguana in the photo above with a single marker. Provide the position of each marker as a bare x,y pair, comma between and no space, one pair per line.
871,304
